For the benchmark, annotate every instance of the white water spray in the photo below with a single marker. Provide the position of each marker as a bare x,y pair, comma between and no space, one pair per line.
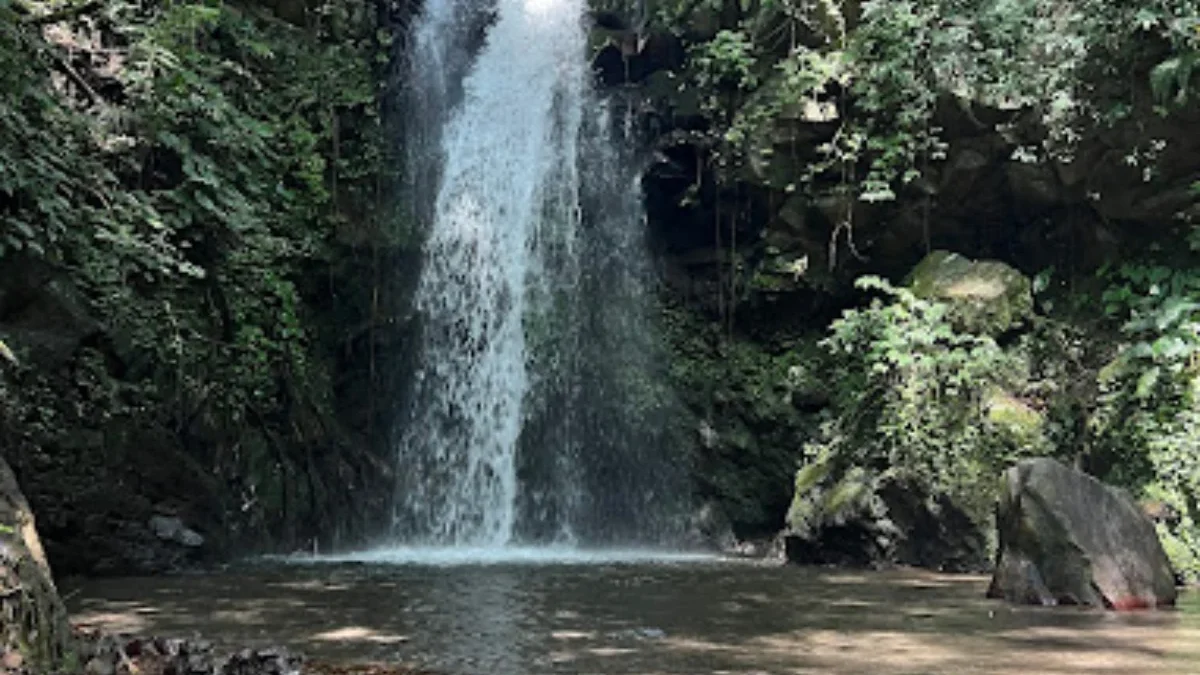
505,212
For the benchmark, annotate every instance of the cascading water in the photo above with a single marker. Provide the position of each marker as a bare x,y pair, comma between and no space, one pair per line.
523,426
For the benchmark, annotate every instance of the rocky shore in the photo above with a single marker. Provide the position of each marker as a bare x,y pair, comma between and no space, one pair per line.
101,654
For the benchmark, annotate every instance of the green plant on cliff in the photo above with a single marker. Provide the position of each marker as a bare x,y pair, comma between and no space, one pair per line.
909,392
752,403
189,171
900,61
724,70
241,187
896,89
1147,424
1058,62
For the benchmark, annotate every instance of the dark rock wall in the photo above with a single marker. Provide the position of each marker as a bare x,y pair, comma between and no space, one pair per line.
755,272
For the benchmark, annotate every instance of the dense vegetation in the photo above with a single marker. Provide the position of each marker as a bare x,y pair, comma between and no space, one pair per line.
826,141
203,260
189,192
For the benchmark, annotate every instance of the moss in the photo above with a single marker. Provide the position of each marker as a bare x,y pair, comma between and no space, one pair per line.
749,392
847,496
1015,420
809,476
986,297
824,496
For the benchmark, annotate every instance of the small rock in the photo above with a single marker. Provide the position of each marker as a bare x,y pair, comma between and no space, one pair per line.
170,528
172,647
640,634
100,666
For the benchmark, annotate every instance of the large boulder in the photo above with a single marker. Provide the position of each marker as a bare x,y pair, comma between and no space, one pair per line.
34,632
986,297
1067,538
850,516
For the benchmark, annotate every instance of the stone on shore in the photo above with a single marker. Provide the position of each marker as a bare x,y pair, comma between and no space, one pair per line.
1067,538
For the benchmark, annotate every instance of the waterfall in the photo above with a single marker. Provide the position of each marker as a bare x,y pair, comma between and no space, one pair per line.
535,343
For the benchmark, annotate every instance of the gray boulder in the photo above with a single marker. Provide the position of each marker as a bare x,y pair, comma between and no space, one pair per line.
172,529
1067,538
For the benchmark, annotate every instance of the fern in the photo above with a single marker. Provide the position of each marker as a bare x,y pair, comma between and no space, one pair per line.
1170,80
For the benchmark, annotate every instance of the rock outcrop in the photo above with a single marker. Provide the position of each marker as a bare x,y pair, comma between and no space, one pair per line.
855,517
34,633
986,297
1066,538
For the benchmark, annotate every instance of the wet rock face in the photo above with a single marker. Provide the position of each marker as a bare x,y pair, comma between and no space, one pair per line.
710,528
1066,538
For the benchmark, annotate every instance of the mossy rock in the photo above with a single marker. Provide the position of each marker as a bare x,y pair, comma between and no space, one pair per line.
821,499
854,516
986,297
1015,420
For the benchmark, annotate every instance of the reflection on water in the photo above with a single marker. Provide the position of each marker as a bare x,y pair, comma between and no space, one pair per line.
614,618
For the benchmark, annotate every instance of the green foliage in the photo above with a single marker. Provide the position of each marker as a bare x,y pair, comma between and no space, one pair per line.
909,394
725,63
1007,55
904,59
751,402
1147,423
724,71
51,177
896,88
1170,80
192,200
1178,25
762,381
242,194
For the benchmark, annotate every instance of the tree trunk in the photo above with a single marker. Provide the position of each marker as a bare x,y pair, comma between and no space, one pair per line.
33,621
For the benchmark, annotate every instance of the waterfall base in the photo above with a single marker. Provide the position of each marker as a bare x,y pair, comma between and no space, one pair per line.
505,555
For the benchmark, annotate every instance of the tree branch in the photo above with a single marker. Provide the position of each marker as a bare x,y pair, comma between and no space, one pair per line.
74,76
